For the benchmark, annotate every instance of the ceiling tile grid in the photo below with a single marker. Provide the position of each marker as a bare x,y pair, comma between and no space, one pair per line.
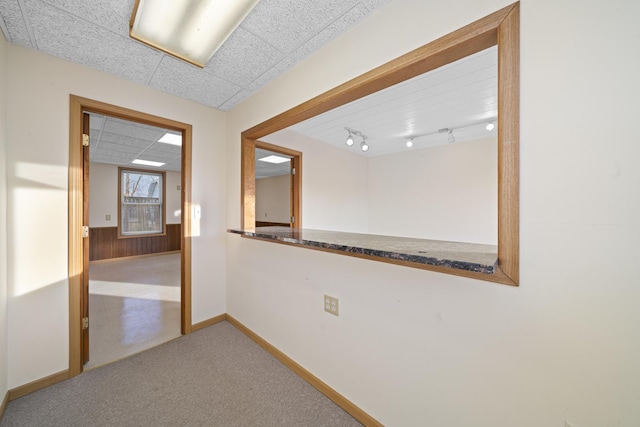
185,80
303,20
258,57
119,142
14,23
89,44
273,37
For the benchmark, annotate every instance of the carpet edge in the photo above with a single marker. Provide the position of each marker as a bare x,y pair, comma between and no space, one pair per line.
318,384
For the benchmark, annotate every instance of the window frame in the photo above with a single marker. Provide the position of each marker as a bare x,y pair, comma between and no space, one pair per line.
163,213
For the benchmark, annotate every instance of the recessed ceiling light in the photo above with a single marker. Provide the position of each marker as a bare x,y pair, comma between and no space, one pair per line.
190,30
274,159
147,163
171,138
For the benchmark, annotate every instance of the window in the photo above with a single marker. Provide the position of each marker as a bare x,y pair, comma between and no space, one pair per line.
141,200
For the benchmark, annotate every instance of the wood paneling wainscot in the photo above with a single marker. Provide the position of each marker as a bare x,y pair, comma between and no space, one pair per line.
104,243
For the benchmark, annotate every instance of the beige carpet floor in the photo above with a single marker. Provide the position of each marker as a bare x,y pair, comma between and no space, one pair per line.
213,377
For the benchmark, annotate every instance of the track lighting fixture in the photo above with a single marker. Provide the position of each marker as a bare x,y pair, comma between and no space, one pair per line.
352,132
490,125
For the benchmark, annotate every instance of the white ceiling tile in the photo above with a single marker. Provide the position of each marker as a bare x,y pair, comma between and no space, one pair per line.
374,4
110,14
89,44
95,33
118,147
304,19
133,129
331,31
277,70
235,99
243,58
14,22
186,80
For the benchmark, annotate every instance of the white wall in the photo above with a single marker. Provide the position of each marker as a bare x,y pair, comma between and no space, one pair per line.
448,192
331,178
413,347
3,219
103,196
273,199
37,159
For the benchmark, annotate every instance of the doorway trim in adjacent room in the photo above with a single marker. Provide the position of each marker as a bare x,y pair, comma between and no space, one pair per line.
77,106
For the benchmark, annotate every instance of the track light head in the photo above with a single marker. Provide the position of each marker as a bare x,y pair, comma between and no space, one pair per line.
410,142
349,140
490,126
451,138
363,145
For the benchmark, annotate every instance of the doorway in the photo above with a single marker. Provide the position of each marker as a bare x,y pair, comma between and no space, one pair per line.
79,316
280,171
134,237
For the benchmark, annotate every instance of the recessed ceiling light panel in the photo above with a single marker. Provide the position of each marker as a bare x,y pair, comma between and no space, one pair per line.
147,163
192,30
171,138
274,159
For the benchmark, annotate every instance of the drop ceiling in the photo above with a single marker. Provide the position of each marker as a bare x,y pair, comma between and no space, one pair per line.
119,142
275,35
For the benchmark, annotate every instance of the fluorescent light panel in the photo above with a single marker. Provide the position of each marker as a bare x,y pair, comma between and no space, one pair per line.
171,138
147,163
274,159
192,30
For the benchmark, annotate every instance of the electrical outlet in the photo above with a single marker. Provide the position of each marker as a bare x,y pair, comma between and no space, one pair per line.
331,305
107,217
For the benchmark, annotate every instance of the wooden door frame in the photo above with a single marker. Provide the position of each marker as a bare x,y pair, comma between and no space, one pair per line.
78,105
248,187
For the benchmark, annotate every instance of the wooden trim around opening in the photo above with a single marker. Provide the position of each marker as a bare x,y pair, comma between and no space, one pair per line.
78,105
318,384
501,28
248,167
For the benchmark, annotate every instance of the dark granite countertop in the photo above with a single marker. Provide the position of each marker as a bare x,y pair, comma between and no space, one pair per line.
461,256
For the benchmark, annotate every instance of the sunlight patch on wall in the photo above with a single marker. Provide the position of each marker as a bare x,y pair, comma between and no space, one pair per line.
38,216
47,176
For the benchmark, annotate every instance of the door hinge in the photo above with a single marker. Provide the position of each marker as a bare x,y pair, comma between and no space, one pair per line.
293,171
85,140
85,231
293,219
85,323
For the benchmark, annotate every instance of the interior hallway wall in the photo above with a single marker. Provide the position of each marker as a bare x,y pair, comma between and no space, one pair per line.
413,347
37,164
3,218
